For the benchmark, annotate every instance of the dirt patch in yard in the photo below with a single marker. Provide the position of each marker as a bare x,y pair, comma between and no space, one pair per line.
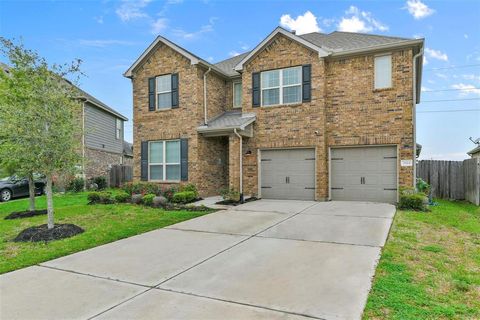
42,233
236,203
25,214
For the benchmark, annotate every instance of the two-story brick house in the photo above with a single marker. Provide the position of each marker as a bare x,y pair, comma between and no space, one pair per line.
316,116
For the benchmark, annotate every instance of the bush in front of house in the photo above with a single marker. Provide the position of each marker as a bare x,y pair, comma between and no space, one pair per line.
159,201
149,187
184,197
137,198
102,197
412,200
148,199
230,195
122,197
76,185
423,186
190,188
100,181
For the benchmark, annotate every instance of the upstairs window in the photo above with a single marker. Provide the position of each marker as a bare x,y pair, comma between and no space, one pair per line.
164,160
383,72
118,129
237,94
282,86
164,92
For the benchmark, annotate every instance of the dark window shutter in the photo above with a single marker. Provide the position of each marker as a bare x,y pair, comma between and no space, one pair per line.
144,161
175,90
256,89
184,159
306,83
151,94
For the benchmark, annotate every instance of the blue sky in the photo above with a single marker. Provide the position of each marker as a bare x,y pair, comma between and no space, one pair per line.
109,35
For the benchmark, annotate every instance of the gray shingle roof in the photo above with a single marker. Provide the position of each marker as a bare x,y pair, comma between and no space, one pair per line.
336,41
343,41
228,65
127,148
229,120
474,151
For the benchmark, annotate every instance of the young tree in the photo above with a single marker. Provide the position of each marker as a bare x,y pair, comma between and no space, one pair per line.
49,120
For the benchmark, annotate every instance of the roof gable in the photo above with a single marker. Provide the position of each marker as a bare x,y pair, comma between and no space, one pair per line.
321,51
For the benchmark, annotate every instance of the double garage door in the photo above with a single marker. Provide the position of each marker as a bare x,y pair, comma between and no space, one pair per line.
362,173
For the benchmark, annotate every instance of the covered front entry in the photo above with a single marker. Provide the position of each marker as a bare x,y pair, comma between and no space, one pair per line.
288,174
364,174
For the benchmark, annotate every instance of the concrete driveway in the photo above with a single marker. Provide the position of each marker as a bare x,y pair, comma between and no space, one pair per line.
268,259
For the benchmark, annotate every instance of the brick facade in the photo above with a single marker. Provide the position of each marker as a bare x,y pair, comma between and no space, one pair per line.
98,162
344,110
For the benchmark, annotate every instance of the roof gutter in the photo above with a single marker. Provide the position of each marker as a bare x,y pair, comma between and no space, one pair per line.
205,121
414,114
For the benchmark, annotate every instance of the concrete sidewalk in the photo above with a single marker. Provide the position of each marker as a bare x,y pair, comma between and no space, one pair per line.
267,259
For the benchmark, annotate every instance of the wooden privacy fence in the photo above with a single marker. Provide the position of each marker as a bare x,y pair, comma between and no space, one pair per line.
459,180
119,174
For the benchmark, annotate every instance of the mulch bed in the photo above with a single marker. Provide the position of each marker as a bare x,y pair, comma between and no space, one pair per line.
42,233
236,203
25,214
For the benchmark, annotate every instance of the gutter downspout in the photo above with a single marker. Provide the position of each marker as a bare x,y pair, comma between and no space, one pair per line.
205,121
414,116
241,165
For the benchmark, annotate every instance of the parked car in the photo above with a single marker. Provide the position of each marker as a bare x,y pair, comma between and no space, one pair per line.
15,186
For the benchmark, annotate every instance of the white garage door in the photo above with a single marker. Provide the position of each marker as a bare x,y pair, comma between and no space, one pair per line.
364,174
288,174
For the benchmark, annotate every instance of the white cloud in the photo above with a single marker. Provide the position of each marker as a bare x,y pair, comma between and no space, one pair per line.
436,54
132,9
465,36
472,77
159,25
457,156
441,75
425,89
98,19
360,21
104,43
425,61
466,89
210,59
418,9
180,33
305,23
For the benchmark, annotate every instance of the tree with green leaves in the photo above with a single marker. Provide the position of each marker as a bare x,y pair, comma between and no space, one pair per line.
40,116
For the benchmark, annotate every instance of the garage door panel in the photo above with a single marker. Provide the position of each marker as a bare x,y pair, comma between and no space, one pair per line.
364,173
297,165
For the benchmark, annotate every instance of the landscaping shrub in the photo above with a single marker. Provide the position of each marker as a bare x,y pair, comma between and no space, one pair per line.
183,197
169,192
101,182
189,187
413,201
96,197
159,201
122,197
76,185
142,188
423,186
230,195
148,199
137,198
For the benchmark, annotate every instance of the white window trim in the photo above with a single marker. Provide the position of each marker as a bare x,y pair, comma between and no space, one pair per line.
233,94
118,128
375,71
161,92
163,163
280,87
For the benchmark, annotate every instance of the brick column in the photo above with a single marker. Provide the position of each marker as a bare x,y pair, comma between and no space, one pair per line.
234,162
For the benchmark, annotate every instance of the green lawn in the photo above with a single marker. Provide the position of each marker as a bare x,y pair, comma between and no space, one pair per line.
102,224
430,266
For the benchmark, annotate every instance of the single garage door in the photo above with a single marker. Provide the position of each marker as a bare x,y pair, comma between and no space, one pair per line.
364,174
288,174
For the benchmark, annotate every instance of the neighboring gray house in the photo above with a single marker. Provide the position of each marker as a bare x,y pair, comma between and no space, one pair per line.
474,153
103,142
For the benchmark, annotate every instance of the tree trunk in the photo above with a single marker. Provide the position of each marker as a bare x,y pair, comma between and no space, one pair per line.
49,201
31,192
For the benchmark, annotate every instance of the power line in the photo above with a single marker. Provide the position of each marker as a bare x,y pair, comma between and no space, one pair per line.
453,67
449,100
464,110
465,89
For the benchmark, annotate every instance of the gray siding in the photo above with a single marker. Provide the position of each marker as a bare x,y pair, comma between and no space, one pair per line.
100,130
